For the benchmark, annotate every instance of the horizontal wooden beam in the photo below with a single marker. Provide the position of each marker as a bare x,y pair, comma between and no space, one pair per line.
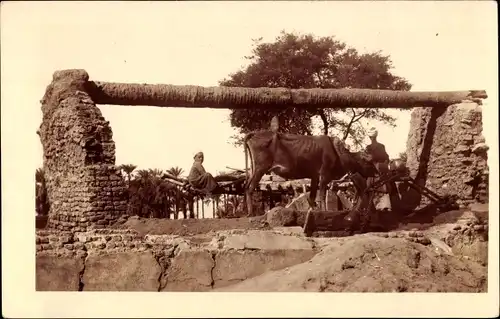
164,95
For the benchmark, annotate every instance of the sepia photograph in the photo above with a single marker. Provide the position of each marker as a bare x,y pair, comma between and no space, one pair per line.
318,147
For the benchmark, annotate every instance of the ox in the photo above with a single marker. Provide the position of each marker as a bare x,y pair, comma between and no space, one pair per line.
320,158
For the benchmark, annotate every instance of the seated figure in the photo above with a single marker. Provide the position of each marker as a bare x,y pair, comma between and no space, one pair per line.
199,178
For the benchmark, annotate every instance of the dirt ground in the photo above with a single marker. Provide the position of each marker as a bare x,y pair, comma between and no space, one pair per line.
430,251
368,263
188,227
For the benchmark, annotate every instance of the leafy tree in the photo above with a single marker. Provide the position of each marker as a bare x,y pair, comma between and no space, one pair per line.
304,61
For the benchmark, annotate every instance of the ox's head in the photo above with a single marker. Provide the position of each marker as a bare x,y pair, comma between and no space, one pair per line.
363,164
260,150
275,125
260,145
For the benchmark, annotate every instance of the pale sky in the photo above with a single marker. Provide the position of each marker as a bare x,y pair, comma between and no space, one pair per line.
437,46
434,45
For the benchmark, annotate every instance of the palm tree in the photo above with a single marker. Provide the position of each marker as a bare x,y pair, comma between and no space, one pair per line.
39,175
150,195
41,199
155,172
143,174
128,169
162,200
175,171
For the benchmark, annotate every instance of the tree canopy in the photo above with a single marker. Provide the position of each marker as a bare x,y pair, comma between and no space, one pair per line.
304,61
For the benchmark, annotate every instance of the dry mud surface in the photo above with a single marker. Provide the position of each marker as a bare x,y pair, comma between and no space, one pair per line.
188,227
442,253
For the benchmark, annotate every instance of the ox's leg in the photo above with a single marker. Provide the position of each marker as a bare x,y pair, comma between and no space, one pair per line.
324,179
308,228
250,186
325,175
313,192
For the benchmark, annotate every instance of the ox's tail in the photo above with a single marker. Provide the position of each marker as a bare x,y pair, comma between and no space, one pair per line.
245,146
248,153
248,173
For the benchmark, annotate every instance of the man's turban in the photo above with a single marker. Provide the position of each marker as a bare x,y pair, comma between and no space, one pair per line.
372,132
198,154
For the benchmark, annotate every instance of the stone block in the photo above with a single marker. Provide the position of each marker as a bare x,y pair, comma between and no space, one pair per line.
58,273
121,272
190,270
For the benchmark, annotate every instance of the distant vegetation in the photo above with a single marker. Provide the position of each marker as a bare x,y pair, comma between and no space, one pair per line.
151,196
403,156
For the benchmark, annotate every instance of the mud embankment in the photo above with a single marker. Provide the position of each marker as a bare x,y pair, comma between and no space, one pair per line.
446,256
113,260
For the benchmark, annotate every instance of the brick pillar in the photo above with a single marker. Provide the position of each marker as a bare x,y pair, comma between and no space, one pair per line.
446,152
85,189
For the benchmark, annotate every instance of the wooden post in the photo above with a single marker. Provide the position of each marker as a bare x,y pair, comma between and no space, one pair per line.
202,209
197,213
191,205
345,202
263,201
327,221
197,206
270,199
213,207
217,207
225,204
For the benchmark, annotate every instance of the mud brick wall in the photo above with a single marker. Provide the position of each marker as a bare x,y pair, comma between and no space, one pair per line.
84,187
60,243
446,150
95,241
